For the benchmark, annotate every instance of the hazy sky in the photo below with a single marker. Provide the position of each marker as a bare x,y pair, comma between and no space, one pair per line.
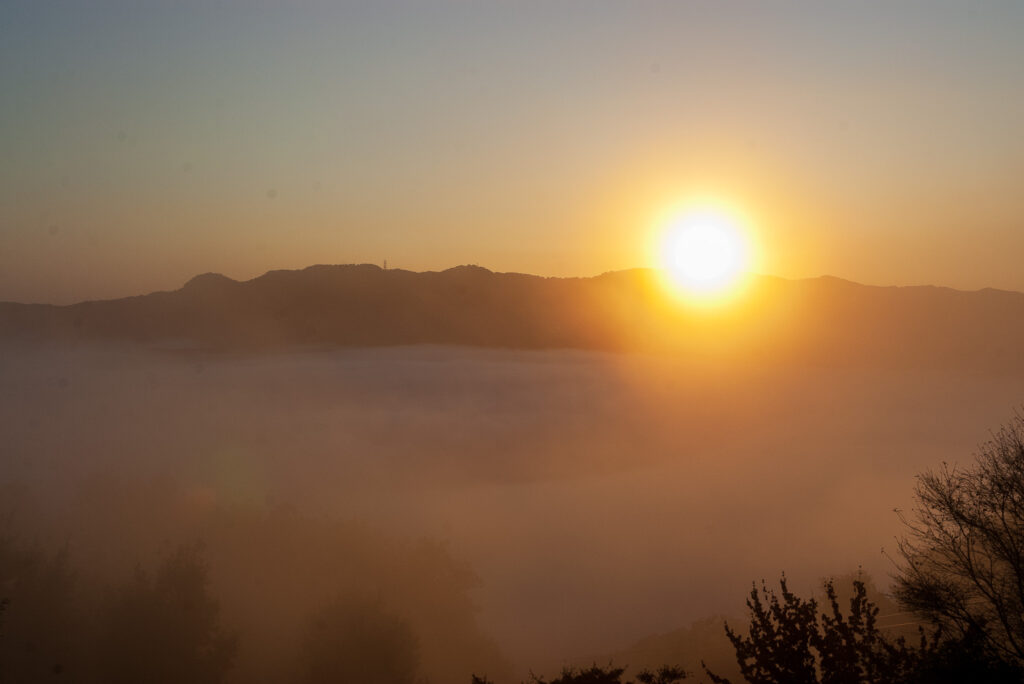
144,142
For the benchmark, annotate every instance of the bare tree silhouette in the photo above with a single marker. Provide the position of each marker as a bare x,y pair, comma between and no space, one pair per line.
963,555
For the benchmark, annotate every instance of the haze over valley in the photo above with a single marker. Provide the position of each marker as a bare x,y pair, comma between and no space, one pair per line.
673,477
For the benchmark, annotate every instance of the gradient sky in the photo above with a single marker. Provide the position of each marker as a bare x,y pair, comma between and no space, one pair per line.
142,143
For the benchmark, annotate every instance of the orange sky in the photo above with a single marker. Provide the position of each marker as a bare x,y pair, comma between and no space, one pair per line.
143,146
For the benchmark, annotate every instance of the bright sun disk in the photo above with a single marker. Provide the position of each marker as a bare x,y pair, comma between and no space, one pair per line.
704,252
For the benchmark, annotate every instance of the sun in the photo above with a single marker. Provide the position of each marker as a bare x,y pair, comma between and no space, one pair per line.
704,251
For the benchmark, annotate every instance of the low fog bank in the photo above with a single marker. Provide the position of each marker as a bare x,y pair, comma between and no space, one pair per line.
280,587
598,498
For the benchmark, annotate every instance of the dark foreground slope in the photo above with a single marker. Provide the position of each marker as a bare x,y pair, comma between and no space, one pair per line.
823,319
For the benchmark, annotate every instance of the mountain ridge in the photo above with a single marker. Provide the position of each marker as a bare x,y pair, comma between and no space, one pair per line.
824,319
214,277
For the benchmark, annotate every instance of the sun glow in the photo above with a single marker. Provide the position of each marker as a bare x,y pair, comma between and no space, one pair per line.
704,252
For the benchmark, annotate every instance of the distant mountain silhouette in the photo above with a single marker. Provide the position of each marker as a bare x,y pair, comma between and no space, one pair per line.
825,320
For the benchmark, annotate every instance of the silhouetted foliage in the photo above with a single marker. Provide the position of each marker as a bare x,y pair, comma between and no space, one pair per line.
595,674
164,628
963,556
360,642
666,674
41,627
791,642
955,661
